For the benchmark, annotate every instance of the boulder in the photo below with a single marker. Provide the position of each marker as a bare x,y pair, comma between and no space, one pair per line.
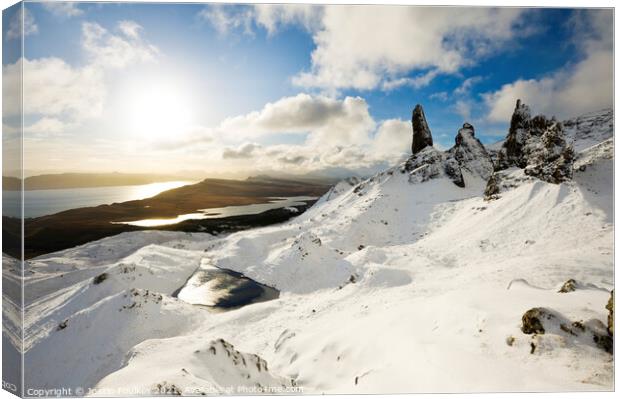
532,320
492,189
569,286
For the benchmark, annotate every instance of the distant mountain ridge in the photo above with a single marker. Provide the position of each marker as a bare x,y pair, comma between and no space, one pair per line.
84,180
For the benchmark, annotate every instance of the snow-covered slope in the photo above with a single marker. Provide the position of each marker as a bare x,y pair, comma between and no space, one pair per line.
590,129
404,282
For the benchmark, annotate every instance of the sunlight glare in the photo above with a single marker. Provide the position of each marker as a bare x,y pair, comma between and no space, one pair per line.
158,112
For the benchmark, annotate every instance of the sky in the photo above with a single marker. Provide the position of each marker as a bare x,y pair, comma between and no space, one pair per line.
240,90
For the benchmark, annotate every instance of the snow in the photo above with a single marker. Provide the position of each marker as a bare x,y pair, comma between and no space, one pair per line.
387,285
582,132
589,129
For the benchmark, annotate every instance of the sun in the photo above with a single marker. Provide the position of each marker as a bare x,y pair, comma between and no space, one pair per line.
158,112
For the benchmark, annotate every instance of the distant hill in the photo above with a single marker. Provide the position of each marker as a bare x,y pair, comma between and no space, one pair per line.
295,179
78,226
11,183
84,180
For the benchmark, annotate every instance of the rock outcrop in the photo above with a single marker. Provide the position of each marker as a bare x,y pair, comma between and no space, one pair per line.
422,137
569,286
541,321
470,153
512,150
430,163
548,156
427,162
532,320
536,145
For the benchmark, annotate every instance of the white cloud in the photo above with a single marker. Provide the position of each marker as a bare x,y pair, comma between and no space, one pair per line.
226,18
246,150
130,29
51,87
441,96
466,85
365,47
22,23
46,126
372,46
393,137
575,89
61,95
324,119
274,16
340,135
63,9
416,83
116,51
463,108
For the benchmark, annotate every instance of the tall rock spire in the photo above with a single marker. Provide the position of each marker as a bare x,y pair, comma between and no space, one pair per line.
422,137
517,134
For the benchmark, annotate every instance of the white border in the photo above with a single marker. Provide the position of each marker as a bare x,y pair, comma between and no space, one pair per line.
505,3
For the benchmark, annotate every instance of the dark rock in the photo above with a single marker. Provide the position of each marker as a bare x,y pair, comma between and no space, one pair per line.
166,389
517,135
453,171
592,332
538,146
579,325
604,342
63,324
610,316
431,163
100,278
426,163
492,189
549,158
567,329
532,320
421,133
568,286
470,153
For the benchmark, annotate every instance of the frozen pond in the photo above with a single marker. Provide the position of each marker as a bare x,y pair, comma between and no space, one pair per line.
222,288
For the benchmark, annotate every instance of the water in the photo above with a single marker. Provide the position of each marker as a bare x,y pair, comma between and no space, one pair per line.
225,289
46,202
213,213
